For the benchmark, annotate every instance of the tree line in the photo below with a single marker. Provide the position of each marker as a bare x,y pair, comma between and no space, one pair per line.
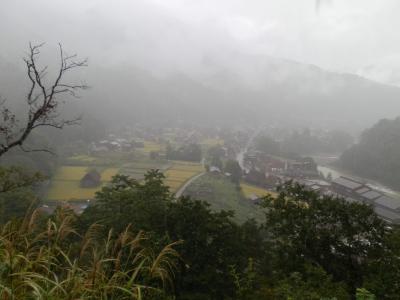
307,247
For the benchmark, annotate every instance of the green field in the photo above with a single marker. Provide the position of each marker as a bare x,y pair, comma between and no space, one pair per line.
222,194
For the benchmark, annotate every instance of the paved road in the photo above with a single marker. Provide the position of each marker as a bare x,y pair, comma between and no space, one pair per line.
183,188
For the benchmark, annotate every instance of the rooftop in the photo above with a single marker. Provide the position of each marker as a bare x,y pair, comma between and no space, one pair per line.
388,202
363,190
348,183
387,214
371,195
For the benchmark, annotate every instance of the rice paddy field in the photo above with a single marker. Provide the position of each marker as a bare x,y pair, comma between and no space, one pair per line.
152,147
180,172
66,183
249,190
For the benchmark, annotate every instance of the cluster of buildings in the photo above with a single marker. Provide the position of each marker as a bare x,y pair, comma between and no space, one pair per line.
386,207
274,171
114,144
304,167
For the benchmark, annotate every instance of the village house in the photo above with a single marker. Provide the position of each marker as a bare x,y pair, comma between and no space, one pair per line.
354,191
91,179
215,170
302,168
346,186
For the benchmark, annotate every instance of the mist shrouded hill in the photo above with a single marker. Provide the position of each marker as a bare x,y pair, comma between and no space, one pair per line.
216,61
236,88
259,89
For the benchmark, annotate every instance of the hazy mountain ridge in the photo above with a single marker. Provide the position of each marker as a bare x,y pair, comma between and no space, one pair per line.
252,88
222,93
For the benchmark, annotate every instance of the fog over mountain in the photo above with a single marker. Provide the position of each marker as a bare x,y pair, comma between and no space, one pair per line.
218,61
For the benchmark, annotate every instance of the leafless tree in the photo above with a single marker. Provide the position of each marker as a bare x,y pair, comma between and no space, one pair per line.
43,100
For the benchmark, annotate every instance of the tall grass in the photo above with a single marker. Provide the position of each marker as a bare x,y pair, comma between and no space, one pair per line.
50,260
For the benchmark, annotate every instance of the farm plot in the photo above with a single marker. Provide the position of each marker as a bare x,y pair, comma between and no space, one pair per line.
66,183
250,190
138,169
212,142
180,172
152,147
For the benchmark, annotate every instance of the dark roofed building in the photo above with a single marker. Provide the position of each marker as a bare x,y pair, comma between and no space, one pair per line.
363,190
91,179
388,215
370,196
388,203
346,186
348,183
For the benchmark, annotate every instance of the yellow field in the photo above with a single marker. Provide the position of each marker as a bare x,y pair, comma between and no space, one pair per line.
108,173
70,190
66,183
180,172
249,190
152,147
83,158
70,173
187,166
212,142
173,185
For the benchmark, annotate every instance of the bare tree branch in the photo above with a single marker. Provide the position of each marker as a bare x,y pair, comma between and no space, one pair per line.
43,100
37,150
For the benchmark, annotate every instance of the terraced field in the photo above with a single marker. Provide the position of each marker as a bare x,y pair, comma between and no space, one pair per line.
152,146
180,172
138,169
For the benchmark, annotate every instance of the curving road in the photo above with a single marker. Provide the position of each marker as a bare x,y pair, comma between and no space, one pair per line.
187,183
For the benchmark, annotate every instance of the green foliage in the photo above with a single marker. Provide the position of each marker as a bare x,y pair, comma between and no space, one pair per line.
13,178
363,294
213,245
16,194
233,167
339,236
313,284
377,155
190,152
215,155
127,200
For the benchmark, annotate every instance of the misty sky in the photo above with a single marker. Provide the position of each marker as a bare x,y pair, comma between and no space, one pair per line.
357,36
